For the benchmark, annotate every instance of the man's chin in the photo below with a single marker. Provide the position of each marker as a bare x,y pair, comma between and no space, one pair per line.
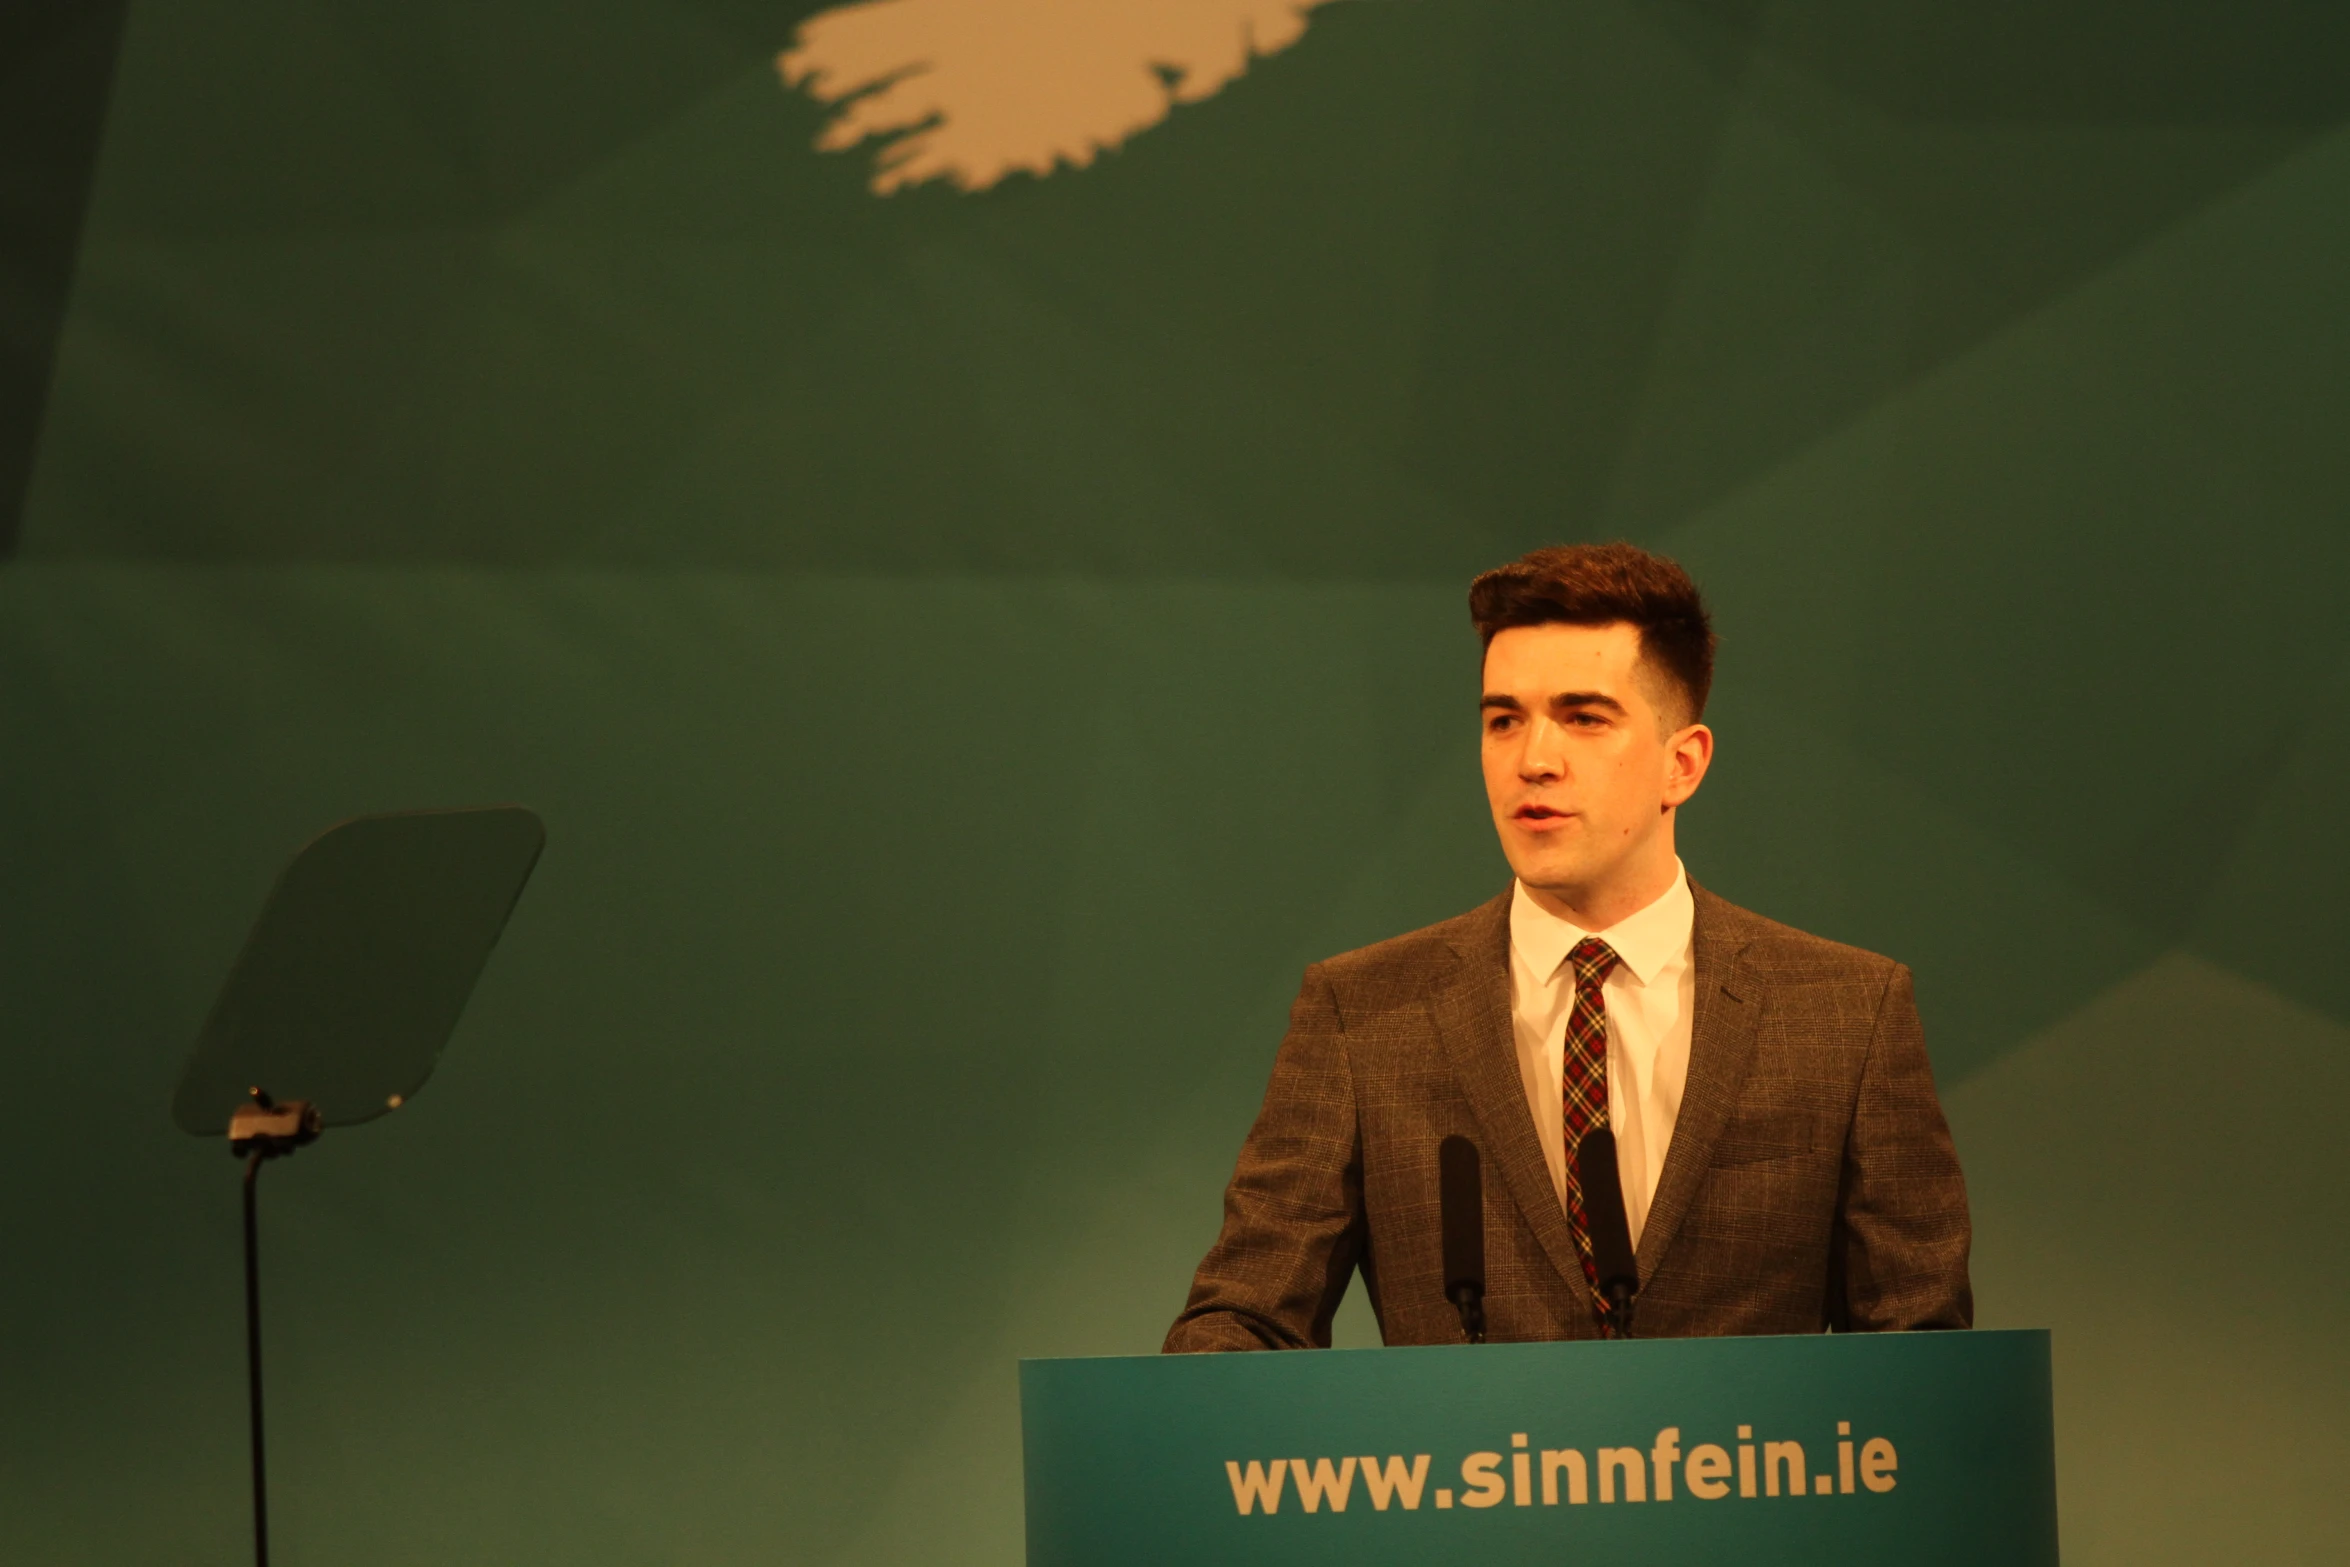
1560,875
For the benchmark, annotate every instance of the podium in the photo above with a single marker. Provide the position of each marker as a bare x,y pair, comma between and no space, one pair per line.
1929,1449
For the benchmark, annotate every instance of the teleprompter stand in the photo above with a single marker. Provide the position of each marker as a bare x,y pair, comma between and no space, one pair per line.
261,1131
346,990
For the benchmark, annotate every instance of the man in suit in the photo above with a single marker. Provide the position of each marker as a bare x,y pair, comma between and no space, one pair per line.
1784,1161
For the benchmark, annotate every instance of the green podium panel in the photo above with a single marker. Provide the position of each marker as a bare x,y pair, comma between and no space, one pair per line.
1919,1448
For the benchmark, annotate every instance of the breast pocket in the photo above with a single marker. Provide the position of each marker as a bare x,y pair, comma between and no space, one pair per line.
1754,1139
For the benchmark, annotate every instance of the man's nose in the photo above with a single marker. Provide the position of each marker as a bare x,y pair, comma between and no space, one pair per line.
1544,756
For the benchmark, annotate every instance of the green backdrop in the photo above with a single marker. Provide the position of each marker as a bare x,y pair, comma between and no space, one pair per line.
971,649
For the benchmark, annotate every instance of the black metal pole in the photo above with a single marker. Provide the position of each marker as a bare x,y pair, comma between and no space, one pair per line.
253,1360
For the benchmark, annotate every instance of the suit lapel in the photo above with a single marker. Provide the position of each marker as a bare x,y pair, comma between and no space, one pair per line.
1473,1017
1721,1051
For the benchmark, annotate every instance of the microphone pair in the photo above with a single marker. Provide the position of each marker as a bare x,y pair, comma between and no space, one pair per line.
1461,1191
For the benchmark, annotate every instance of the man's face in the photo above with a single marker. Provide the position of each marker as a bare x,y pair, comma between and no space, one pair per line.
1582,766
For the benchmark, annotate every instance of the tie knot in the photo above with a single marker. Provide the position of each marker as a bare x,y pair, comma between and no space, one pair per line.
1594,961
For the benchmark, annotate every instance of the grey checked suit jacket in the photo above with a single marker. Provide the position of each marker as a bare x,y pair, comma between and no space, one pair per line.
1810,1181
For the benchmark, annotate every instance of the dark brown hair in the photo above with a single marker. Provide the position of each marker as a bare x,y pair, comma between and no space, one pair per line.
1598,585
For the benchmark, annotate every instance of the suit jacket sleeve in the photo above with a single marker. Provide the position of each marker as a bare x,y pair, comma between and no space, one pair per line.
1904,1233
1293,1214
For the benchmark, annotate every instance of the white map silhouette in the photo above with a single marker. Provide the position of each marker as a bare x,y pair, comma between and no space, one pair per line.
974,90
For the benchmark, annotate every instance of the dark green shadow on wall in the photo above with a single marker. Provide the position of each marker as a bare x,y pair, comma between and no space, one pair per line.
56,74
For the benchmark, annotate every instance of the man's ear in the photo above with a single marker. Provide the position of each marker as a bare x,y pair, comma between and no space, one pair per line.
1689,753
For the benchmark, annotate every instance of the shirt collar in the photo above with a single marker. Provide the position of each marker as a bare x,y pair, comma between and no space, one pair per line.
1645,941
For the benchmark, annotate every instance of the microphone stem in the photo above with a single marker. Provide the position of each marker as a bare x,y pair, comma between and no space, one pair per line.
1469,1301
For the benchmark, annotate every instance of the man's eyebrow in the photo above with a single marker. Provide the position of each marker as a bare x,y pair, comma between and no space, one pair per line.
1587,699
1565,699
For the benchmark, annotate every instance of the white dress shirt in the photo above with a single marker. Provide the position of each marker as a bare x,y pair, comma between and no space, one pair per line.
1650,997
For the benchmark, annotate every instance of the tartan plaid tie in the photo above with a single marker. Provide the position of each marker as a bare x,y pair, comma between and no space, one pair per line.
1584,1077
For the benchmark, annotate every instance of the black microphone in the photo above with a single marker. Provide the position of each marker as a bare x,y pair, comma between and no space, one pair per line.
1611,1234
1462,1189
